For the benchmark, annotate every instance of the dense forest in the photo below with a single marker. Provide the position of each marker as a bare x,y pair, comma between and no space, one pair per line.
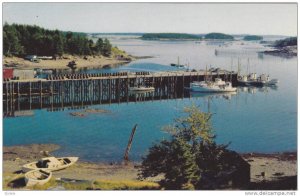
252,37
218,36
155,36
291,41
21,40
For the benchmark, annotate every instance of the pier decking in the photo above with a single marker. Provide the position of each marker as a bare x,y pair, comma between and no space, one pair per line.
77,90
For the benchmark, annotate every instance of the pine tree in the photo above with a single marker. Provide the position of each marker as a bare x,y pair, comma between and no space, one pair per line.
190,154
99,46
11,43
106,48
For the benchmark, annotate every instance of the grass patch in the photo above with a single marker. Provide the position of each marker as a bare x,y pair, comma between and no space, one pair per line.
125,185
12,181
117,52
51,183
77,186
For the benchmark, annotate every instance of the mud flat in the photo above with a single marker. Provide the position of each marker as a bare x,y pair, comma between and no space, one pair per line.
267,170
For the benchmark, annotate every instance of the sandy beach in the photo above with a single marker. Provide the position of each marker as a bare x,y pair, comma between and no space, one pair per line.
81,62
264,167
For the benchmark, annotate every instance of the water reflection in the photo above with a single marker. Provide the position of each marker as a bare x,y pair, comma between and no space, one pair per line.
255,89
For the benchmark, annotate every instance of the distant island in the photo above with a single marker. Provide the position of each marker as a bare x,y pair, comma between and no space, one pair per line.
285,48
252,38
218,36
170,36
186,36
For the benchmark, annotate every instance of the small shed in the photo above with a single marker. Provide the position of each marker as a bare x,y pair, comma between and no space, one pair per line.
8,73
23,74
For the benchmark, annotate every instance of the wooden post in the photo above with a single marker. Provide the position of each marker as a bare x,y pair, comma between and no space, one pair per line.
41,96
126,158
30,95
6,97
72,92
12,97
52,94
62,93
19,96
81,93
100,90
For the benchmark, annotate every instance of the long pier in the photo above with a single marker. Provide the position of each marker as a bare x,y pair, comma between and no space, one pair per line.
71,91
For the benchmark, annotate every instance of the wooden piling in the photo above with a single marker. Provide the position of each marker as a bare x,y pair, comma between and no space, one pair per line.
126,155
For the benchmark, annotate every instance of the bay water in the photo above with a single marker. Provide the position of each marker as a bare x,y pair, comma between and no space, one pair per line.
254,120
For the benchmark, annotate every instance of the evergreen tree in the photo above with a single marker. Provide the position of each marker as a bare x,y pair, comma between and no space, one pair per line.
11,42
106,48
191,159
27,39
99,46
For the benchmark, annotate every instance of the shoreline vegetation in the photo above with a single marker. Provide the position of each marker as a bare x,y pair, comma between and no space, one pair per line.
24,44
268,171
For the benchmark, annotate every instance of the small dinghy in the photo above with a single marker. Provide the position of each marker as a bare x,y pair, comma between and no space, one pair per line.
141,89
50,164
37,177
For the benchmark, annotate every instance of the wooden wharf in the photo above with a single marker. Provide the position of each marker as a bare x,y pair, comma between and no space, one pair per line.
78,90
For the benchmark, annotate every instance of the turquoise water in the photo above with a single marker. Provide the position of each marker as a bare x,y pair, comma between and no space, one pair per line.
253,120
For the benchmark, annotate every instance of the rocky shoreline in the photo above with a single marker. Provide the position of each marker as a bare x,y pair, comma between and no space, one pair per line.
265,168
287,52
87,62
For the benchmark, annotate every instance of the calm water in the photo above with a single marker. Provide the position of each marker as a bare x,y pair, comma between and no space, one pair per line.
253,120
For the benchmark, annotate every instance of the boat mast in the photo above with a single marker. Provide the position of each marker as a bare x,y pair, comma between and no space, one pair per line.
239,67
248,66
231,71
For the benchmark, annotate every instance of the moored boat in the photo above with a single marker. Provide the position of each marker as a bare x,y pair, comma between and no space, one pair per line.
50,164
141,88
37,177
252,80
211,87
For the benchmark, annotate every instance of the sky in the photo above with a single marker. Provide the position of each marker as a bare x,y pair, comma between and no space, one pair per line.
258,19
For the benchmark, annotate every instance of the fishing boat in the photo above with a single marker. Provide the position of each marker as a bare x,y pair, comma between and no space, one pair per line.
253,80
141,88
37,177
50,163
212,86
264,80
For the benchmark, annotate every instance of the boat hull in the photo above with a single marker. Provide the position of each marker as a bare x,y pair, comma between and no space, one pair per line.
213,91
37,177
141,89
33,165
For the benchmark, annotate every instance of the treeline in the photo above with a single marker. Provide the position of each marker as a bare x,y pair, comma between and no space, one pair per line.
218,36
252,37
291,41
153,36
20,40
185,36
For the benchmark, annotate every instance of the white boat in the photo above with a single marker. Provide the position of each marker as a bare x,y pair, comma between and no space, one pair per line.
211,87
253,80
265,80
141,88
50,163
37,177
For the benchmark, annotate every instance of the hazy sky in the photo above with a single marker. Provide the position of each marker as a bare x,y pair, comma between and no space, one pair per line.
261,19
